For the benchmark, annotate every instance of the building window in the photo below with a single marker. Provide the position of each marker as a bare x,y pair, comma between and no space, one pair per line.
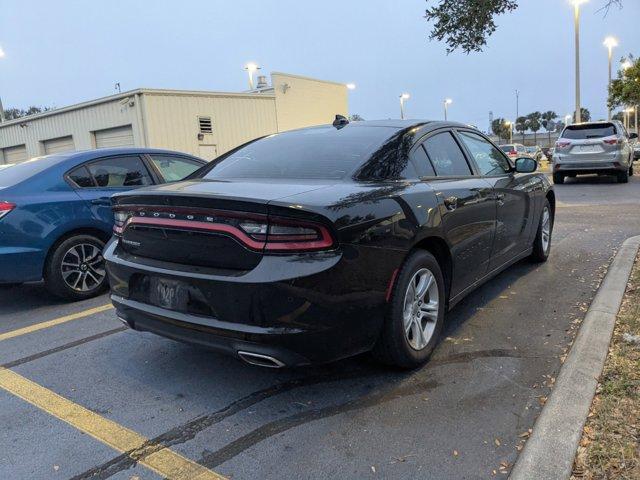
205,124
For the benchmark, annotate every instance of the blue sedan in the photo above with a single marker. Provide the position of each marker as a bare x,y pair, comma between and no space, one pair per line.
55,213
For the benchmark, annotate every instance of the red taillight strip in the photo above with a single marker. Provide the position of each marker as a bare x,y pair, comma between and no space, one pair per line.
194,225
325,241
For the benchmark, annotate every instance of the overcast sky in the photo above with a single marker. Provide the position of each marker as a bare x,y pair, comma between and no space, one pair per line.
62,52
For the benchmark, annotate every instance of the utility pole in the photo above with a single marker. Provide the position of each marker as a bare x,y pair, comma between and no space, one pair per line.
517,104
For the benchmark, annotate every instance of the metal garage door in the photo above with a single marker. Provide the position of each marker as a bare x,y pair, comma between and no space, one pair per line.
15,154
114,137
59,145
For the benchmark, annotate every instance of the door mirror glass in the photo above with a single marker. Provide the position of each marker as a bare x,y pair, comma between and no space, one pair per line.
526,165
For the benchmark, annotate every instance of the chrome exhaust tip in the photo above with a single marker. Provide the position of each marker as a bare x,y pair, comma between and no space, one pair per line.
260,360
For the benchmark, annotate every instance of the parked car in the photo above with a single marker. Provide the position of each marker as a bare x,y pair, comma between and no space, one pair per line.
594,147
515,150
5,165
636,151
55,213
317,244
535,152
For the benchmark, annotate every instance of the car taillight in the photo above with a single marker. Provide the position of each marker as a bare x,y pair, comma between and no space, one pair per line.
6,207
513,153
284,234
120,221
610,140
560,144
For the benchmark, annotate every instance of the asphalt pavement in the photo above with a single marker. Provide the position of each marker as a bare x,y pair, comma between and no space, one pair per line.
72,394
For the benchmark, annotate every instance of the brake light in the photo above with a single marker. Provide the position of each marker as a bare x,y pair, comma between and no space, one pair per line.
561,144
255,231
610,140
513,153
6,207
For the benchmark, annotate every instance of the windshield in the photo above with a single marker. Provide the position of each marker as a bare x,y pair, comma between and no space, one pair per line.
14,174
585,132
313,153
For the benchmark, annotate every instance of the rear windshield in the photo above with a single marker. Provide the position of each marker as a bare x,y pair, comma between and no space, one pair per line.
507,148
584,132
315,153
19,172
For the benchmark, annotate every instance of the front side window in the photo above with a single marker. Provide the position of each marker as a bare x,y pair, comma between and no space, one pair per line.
118,172
445,155
489,159
174,168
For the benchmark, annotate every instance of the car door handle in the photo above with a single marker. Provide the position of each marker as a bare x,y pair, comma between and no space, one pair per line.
500,198
103,201
451,203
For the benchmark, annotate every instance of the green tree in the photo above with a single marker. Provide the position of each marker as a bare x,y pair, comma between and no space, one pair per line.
13,113
585,115
548,122
534,120
625,90
467,24
355,118
522,124
500,128
618,116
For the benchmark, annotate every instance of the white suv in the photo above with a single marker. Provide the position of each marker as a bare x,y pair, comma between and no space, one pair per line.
594,147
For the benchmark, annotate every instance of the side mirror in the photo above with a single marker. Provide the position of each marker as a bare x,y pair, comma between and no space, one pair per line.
526,165
633,136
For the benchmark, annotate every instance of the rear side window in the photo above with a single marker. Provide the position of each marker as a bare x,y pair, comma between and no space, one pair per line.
423,165
445,155
174,168
585,132
81,177
114,172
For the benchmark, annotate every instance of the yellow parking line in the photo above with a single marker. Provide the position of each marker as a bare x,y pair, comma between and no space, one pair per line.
164,462
54,322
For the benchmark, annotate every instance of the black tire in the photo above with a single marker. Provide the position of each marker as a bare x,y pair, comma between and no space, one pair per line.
623,177
558,178
631,170
393,346
541,249
53,270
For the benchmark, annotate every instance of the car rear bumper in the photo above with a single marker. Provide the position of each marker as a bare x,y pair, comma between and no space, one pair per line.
301,309
20,264
589,163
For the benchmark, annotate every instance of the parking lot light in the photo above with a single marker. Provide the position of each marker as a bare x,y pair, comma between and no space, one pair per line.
351,86
403,98
251,68
576,22
610,43
1,52
447,102
567,119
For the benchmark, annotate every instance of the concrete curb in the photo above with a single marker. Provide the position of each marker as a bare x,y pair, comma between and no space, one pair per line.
550,450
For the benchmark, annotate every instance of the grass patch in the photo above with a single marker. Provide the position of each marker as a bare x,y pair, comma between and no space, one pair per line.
610,444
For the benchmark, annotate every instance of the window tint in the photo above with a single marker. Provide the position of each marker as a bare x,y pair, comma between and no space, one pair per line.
446,156
116,172
174,168
421,161
584,132
81,177
488,158
321,152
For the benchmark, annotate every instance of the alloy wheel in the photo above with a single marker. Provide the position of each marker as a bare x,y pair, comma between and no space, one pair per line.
82,267
546,228
420,313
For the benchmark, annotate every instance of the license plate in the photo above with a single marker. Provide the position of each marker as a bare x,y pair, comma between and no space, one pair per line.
588,148
167,294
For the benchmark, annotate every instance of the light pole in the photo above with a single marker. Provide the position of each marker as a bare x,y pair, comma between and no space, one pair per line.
610,43
510,125
447,102
251,68
576,21
403,97
627,117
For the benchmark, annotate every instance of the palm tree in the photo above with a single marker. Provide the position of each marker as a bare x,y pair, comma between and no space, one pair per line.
522,124
500,128
534,124
548,118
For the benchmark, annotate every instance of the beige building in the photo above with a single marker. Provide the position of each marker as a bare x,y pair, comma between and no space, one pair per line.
205,124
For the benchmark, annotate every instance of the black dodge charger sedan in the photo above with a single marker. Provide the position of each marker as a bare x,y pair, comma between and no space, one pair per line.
317,244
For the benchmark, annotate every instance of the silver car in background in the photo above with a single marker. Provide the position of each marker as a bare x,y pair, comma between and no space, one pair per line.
595,147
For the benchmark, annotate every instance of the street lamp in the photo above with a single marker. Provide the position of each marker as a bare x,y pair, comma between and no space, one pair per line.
403,97
447,102
509,124
1,52
576,21
567,119
351,86
251,68
610,43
